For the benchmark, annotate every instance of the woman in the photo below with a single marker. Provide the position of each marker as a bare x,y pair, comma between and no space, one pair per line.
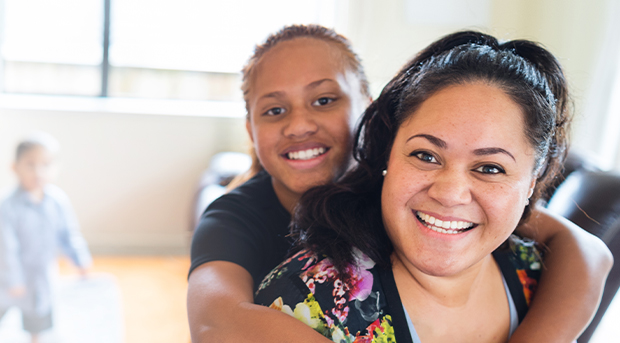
303,88
406,245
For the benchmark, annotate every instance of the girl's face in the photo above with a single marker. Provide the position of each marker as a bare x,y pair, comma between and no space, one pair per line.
458,178
302,103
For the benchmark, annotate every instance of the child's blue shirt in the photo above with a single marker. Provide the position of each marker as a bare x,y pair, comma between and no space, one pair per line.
31,233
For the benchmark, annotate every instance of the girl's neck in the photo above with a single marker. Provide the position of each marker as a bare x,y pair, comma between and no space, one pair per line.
287,198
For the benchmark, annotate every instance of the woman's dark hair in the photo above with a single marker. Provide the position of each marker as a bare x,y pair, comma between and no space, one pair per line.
333,218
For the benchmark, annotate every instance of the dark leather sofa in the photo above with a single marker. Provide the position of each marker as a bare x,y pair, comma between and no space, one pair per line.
590,198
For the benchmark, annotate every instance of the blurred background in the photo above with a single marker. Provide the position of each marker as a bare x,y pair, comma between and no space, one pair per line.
142,93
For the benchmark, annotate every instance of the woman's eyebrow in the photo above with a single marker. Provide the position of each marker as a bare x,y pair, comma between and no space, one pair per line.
492,151
478,152
434,140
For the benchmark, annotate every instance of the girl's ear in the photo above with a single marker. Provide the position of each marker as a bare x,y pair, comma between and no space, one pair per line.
248,127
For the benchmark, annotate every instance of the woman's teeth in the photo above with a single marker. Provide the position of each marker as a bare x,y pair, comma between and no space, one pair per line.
305,154
437,225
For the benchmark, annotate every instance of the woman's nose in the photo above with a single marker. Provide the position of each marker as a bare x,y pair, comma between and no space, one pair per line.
301,123
451,187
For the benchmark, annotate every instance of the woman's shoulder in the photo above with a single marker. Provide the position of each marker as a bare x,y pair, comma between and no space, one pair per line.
520,260
347,304
523,253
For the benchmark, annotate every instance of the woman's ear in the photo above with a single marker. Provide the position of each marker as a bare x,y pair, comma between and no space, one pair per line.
532,186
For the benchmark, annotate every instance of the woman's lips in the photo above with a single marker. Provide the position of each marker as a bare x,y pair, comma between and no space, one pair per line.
444,226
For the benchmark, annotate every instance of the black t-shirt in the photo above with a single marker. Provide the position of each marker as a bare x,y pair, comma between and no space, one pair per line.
247,226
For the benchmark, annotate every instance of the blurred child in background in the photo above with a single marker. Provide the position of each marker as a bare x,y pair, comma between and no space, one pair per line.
36,219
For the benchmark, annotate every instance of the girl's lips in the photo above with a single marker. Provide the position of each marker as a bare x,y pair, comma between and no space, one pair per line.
306,154
303,146
306,157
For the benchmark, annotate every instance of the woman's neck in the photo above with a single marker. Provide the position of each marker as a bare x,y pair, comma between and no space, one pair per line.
449,291
469,307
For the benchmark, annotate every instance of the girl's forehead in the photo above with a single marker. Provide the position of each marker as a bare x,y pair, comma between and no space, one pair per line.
299,56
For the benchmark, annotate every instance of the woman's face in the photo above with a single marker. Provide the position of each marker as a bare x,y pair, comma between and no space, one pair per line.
302,101
458,178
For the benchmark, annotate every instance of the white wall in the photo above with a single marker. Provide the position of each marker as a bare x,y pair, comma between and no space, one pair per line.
131,177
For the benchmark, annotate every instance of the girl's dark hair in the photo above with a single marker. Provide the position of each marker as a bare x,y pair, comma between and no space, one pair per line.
333,218
318,32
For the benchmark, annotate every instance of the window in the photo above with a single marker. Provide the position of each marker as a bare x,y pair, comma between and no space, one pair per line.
175,49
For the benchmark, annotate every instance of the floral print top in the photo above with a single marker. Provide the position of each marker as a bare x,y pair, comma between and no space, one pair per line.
362,305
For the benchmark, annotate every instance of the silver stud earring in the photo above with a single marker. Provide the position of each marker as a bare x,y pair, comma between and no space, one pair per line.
384,172
527,201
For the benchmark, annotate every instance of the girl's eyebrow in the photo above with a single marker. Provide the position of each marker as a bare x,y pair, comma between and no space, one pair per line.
440,143
280,94
317,83
277,94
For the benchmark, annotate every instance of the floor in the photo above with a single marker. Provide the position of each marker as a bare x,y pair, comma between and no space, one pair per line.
153,291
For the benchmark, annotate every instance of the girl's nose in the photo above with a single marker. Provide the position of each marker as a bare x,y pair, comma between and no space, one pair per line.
300,124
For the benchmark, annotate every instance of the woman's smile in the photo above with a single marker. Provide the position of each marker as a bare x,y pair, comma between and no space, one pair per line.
450,227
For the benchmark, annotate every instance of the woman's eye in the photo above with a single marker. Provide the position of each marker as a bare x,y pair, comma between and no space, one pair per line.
275,111
423,156
323,101
490,169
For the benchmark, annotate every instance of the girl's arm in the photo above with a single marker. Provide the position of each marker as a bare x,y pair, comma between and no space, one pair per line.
220,307
571,285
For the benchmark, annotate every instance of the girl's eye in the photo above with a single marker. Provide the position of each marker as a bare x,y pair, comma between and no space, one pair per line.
323,101
275,111
490,169
424,156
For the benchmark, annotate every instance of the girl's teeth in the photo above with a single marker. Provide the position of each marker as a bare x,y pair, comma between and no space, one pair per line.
447,227
306,154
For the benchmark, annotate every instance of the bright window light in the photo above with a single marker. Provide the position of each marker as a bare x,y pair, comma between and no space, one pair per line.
158,49
210,36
